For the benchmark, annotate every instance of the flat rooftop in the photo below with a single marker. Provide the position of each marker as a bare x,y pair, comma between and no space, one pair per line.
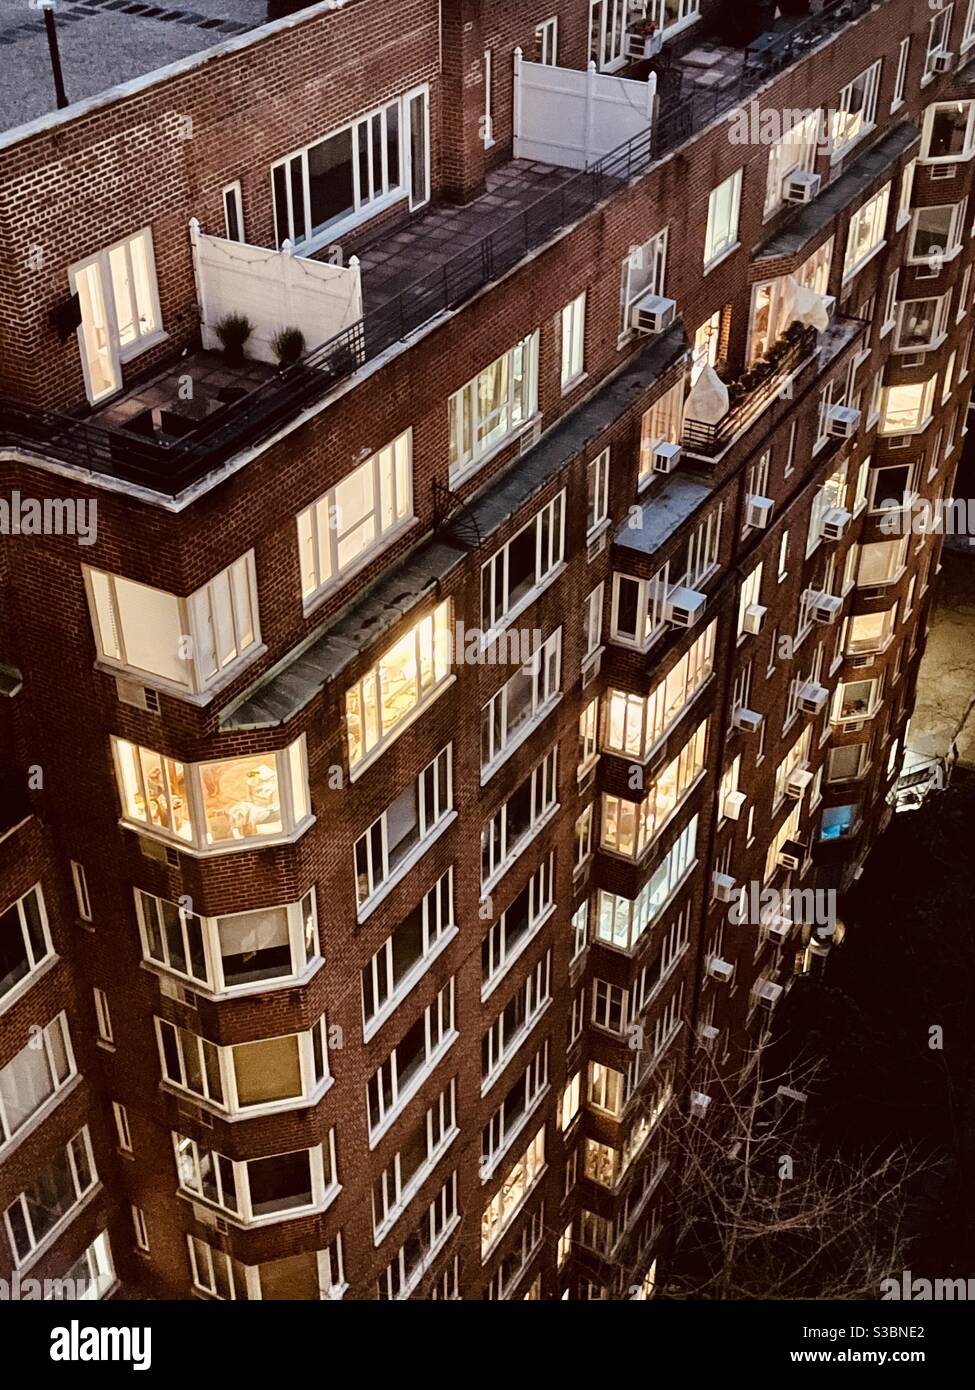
104,43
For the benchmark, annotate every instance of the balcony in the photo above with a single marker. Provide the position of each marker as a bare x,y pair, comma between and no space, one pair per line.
412,273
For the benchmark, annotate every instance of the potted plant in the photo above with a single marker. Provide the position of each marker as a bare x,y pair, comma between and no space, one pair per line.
288,345
233,330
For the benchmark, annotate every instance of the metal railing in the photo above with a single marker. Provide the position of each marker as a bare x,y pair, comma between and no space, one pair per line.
169,467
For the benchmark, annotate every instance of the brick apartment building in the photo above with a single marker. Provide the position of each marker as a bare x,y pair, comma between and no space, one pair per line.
336,960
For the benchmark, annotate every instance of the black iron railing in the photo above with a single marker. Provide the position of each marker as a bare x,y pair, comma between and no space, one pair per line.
170,467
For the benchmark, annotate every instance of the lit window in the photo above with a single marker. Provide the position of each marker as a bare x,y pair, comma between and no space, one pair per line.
866,232
258,1189
839,821
722,227
906,408
573,340
634,724
855,111
660,424
486,412
119,310
629,827
796,149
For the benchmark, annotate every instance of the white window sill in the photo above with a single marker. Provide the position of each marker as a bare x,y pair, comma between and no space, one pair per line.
493,633
864,261
271,1218
207,991
141,345
369,905
407,984
18,990
418,1081
274,1107
489,769
381,1231
472,467
374,754
332,586
183,692
488,988
569,386
720,256
249,842
514,855
488,1170
517,1043
327,236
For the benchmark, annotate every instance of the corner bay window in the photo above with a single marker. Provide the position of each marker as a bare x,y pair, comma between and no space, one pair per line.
856,699
270,1072
869,632
628,827
237,951
634,725
492,407
218,804
257,1189
309,1276
395,838
514,573
403,679
191,643
508,832
620,922
936,233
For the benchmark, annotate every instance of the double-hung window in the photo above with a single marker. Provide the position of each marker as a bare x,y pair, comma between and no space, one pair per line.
573,341
597,492
55,1190
855,112
25,942
939,40
796,149
639,608
635,724
661,424
398,837
508,832
866,232
521,703
515,573
517,925
411,1061
643,272
421,1148
258,1189
492,407
921,323
724,206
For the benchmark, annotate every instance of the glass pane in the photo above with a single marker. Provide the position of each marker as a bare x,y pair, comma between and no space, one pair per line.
241,798
330,179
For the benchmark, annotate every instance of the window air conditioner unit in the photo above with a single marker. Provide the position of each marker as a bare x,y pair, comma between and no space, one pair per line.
724,888
812,697
733,804
834,523
699,1105
779,929
757,511
642,46
942,61
754,619
769,994
721,970
842,421
530,437
749,721
709,1034
132,693
590,672
666,457
797,783
791,854
652,313
826,608
684,606
801,186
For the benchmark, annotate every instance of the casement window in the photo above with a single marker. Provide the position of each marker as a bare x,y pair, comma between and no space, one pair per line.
751,593
661,424
609,1006
514,575
949,132
398,837
56,1189
408,1266
936,233
869,632
515,1260
79,881
405,679
588,736
269,1074
724,205
907,408
593,615
233,212
881,562
258,1189
522,703
797,149
639,608
579,927
407,953
621,922
856,700
492,407
351,175
840,821
122,1131
25,943
573,341
410,1062
583,839
120,314
35,1076
968,33
189,645
356,518
421,1150
517,925
866,232
939,41
308,1276
634,725
103,1017
511,829
643,273
607,34
900,79
237,952
514,1112
848,762
209,807
630,827
921,323
855,112
515,1021
90,1277
518,1182
547,34
597,493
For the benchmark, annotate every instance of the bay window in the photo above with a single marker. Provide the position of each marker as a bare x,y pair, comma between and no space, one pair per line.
629,827
235,803
355,518
722,225
398,837
514,575
514,826
855,112
597,493
639,607
634,724
270,1074
311,1275
410,1062
949,131
866,232
405,679
869,632
856,700
881,562
936,233
258,1189
517,925
408,952
25,942
521,703
907,408
848,762
921,323
236,952
492,407
57,1188
188,644
643,272
32,1078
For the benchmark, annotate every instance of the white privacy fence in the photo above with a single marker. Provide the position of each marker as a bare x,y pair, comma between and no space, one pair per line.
274,290
564,116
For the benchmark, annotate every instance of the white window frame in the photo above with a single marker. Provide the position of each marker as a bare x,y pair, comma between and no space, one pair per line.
36,953
573,321
439,1034
900,79
513,414
155,333
643,271
497,854
497,609
36,1243
547,34
544,670
434,812
939,40
862,119
873,214
234,1199
438,927
61,1068
930,116
720,241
